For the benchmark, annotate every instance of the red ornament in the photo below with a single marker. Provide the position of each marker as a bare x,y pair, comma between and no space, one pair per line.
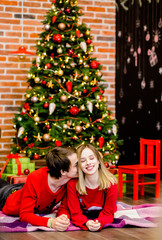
54,19
31,145
94,64
26,171
74,111
25,139
48,126
102,91
99,128
26,106
58,143
85,91
44,82
57,38
69,86
45,105
88,41
78,33
35,65
67,10
48,65
60,12
94,89
101,141
52,54
50,98
53,1
70,51
106,164
36,156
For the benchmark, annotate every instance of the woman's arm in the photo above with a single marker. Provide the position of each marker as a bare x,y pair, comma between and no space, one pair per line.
107,214
77,216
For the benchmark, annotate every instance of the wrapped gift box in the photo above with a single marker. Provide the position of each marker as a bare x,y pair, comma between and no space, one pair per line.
24,160
124,179
12,168
4,175
14,179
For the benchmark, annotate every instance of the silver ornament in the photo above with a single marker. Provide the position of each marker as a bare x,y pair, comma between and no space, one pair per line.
34,99
47,27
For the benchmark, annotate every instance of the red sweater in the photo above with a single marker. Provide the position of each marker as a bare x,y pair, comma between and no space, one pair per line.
102,203
34,197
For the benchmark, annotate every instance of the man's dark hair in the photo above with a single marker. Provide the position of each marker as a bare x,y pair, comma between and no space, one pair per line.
57,160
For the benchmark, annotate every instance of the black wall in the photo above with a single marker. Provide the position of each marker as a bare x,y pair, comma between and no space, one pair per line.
138,75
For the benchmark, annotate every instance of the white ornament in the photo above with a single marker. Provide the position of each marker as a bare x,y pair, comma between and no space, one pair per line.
52,107
38,59
90,106
47,27
114,129
20,131
83,46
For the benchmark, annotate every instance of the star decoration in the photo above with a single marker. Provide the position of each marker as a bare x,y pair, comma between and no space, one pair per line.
92,139
50,84
39,137
76,74
94,82
160,70
47,37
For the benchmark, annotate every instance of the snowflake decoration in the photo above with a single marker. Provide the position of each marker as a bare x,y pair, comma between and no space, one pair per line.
160,70
156,37
158,126
139,105
123,120
152,84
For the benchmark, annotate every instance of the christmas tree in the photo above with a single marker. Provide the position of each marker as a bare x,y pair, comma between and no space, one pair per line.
65,103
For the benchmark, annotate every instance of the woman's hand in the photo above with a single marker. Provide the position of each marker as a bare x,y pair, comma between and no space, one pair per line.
93,225
61,223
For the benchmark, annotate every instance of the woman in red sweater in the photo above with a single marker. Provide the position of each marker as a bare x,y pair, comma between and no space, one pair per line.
92,199
43,191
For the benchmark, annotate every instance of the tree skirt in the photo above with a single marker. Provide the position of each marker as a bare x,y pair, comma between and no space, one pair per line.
144,215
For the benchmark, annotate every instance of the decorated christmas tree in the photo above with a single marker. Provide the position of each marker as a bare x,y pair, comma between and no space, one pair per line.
65,103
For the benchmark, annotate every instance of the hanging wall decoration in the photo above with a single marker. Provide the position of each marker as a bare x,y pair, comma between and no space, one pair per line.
138,73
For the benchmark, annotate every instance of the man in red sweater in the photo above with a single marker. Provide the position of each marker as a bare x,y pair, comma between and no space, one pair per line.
43,190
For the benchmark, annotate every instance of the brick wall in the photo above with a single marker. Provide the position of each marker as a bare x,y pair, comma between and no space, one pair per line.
99,15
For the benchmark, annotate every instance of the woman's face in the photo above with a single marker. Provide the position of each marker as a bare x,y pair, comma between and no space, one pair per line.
89,162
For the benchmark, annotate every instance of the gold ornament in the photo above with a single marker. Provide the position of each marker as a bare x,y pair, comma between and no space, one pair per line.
82,108
97,105
66,59
80,61
53,7
59,50
34,99
99,74
78,129
86,78
27,95
61,26
87,32
36,79
87,125
46,137
19,119
36,119
60,72
72,37
65,126
64,98
79,22
38,137
51,47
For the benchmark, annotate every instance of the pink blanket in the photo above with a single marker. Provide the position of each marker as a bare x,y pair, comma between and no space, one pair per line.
145,215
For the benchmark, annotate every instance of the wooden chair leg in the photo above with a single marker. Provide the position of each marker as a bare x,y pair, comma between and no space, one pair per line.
135,186
120,183
157,188
142,186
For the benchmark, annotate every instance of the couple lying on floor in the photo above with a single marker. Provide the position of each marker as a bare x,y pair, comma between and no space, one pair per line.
76,178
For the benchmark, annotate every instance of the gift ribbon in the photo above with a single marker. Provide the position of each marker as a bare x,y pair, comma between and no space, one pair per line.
16,156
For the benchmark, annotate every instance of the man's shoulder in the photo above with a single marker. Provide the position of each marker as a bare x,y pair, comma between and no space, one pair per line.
41,172
72,182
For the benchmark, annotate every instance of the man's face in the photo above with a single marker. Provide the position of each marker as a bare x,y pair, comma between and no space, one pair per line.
73,170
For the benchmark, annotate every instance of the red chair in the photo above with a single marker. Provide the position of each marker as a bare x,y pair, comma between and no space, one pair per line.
150,157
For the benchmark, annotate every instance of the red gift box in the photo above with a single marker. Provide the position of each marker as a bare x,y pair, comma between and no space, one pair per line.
17,179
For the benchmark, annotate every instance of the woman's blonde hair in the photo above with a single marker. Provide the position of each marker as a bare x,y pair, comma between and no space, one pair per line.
105,177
